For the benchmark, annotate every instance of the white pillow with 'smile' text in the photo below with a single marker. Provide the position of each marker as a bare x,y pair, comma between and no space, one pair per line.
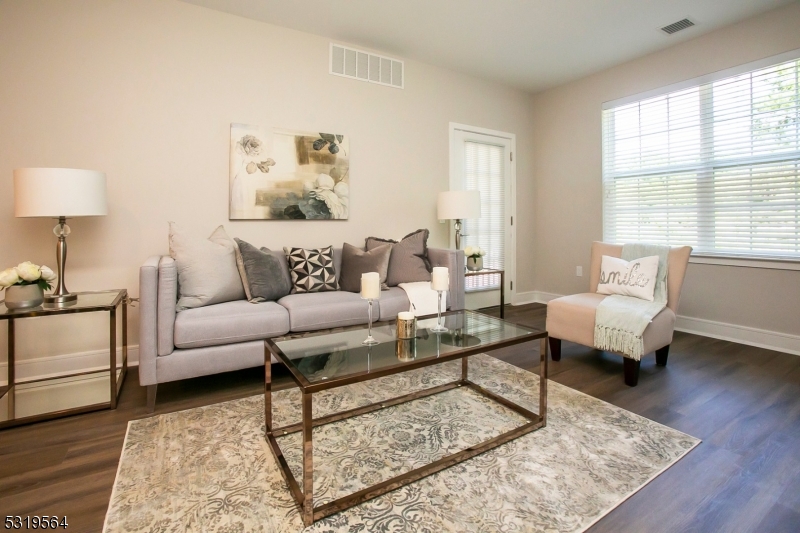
635,278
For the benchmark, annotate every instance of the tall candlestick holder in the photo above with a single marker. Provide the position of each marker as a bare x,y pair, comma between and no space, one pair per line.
439,327
370,340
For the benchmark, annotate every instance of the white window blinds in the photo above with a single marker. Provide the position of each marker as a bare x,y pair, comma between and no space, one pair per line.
716,166
484,166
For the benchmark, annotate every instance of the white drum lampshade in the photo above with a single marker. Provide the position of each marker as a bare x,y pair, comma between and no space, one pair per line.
59,193
458,205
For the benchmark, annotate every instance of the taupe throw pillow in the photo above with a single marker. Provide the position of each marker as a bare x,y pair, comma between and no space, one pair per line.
263,276
409,260
356,261
207,272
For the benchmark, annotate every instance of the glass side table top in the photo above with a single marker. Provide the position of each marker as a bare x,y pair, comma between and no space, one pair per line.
332,356
87,301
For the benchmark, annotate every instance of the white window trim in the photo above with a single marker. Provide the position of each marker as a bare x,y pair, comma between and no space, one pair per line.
457,184
749,261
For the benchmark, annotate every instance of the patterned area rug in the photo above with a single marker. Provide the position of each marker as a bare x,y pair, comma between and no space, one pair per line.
209,469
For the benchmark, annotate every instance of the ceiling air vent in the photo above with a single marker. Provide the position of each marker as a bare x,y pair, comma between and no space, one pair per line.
364,66
677,26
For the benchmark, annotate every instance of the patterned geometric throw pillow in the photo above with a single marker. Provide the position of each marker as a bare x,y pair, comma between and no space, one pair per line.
311,269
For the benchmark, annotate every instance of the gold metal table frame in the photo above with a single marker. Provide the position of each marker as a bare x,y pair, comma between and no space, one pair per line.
117,298
303,492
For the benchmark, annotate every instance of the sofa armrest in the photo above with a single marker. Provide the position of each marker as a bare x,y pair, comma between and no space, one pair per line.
167,304
454,260
148,320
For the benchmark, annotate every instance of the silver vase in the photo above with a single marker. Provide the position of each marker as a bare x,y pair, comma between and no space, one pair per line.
24,296
474,263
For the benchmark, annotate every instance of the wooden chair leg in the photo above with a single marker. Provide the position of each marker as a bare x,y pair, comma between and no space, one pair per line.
151,397
631,367
661,356
555,348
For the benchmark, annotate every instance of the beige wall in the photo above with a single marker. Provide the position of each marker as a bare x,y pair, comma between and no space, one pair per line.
146,90
567,174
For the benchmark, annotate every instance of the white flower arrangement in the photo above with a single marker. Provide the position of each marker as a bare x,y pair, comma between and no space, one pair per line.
27,274
474,251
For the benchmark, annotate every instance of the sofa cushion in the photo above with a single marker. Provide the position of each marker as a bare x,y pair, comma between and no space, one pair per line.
229,322
331,309
409,261
571,318
356,261
207,272
312,270
261,272
393,301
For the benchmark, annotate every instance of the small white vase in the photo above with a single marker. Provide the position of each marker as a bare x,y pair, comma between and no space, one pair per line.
474,263
23,296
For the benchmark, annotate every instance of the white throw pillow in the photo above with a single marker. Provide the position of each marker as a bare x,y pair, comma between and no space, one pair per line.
207,272
629,278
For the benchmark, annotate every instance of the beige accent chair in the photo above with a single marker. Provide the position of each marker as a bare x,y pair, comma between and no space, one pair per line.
571,318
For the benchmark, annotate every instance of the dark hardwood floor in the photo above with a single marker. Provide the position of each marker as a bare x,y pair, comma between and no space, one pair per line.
744,403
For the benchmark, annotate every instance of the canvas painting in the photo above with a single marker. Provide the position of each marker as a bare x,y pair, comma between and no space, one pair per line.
288,175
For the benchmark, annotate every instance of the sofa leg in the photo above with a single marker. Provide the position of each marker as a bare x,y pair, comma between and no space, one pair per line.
661,356
151,397
555,348
631,367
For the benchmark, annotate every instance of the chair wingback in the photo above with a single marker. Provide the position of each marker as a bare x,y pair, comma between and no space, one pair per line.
676,270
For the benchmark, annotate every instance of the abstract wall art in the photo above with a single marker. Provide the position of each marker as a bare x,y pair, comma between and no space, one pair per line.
288,175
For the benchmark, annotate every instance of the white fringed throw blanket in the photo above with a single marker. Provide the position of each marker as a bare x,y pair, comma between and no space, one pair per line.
620,321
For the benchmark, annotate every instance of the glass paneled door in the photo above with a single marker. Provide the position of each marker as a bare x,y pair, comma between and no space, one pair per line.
483,160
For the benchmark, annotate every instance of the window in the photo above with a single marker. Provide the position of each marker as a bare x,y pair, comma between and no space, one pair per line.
483,171
715,166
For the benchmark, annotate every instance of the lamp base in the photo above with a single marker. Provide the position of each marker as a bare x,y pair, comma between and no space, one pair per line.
60,298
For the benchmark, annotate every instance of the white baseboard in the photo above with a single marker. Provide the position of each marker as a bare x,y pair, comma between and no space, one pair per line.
62,365
530,297
761,338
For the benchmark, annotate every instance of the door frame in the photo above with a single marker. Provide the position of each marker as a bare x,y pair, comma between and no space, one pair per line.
456,183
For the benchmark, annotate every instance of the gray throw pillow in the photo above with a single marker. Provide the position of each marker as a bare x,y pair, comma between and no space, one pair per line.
356,261
263,276
207,272
409,260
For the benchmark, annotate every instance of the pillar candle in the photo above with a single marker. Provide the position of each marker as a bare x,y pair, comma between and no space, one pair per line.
370,285
440,279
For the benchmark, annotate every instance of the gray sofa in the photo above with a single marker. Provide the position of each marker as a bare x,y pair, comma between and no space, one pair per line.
229,336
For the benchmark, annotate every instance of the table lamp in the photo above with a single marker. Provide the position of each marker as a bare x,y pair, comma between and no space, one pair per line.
59,193
458,205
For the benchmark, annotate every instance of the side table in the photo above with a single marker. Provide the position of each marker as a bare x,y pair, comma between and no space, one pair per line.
486,272
87,302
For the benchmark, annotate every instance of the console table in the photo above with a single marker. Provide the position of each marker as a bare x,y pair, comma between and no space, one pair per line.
87,302
486,272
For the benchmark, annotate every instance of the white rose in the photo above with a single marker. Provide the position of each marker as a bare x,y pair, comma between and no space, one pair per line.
28,271
48,274
324,181
468,251
8,277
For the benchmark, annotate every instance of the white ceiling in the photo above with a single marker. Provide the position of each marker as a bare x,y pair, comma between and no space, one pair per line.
528,44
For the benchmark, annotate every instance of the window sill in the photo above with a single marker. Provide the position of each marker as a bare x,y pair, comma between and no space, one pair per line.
746,262
482,289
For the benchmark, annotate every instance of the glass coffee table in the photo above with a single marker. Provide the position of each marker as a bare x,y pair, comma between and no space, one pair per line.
322,361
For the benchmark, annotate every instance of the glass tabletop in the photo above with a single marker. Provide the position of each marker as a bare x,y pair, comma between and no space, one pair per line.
87,301
339,355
